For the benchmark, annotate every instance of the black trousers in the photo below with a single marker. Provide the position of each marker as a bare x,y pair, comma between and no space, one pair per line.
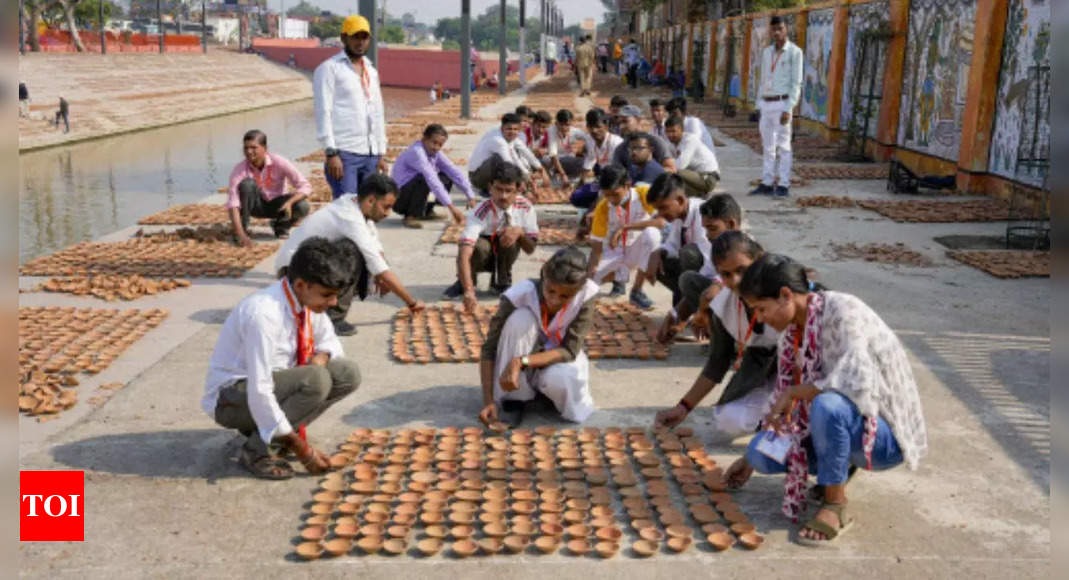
491,257
358,285
632,76
690,259
412,199
253,205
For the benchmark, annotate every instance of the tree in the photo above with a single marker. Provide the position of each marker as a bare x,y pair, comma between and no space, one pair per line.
87,12
306,9
484,29
67,7
393,35
326,27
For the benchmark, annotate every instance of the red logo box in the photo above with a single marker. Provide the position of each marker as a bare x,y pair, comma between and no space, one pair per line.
51,506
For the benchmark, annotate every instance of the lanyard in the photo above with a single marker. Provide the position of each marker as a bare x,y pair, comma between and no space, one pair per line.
305,339
776,56
624,217
741,346
365,78
261,176
545,322
602,151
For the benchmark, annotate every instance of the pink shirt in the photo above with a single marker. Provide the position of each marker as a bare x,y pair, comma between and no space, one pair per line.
272,179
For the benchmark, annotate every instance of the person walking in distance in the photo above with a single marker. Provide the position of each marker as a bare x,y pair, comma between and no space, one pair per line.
632,57
780,86
584,61
350,116
64,113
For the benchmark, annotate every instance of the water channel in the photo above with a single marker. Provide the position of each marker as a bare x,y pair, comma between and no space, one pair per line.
82,191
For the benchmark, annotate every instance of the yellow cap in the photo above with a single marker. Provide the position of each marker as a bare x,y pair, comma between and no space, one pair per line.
354,24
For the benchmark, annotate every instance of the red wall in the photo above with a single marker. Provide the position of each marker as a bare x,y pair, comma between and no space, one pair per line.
397,67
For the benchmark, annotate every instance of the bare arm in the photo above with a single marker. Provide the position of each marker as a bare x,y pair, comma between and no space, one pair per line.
235,223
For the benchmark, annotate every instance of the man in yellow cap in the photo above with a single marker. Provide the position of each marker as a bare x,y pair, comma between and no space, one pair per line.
350,116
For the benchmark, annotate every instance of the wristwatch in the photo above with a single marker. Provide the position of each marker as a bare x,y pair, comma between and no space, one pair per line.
331,152
525,361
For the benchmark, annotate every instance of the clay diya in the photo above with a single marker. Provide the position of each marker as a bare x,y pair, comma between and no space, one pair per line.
679,531
338,546
550,507
394,546
431,518
429,546
346,530
600,511
651,533
496,529
609,533
641,524
720,541
736,517
606,549
742,528
372,530
323,509
644,548
516,544
327,497
309,550
370,544
495,507
751,540
579,530
313,533
578,547
317,520
523,507
679,544
575,516
491,545
551,529
547,544
464,548
436,532
397,531
461,532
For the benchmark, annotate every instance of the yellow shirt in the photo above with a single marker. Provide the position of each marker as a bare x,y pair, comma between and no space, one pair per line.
609,218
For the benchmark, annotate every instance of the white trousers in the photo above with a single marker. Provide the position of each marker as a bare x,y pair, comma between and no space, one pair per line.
566,384
622,259
775,142
741,416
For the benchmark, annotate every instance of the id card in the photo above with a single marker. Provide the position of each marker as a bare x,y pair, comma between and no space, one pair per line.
774,446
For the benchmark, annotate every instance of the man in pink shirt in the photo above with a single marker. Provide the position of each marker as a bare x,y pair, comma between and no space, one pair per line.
258,189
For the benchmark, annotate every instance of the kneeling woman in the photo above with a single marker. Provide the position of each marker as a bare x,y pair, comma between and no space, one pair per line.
535,343
845,394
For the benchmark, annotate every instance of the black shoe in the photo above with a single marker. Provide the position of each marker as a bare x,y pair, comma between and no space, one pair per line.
512,412
454,291
761,189
343,328
618,289
781,191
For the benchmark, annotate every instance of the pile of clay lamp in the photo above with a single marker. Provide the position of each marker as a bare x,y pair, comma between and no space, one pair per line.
114,287
466,492
321,191
549,195
795,182
936,211
446,333
826,201
552,231
897,253
151,257
805,147
192,214
219,232
1006,263
56,343
840,171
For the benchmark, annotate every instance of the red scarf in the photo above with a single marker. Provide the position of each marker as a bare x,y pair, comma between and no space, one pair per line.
365,77
305,338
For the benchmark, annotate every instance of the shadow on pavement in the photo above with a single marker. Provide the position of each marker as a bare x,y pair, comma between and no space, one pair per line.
192,453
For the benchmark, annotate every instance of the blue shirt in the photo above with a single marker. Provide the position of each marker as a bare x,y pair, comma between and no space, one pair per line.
645,173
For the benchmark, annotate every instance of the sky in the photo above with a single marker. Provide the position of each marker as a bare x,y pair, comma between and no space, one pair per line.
429,11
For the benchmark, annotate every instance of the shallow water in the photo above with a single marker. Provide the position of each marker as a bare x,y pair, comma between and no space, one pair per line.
82,191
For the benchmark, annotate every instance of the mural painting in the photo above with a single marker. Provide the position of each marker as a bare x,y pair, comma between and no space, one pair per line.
938,54
758,42
735,84
721,55
819,30
1020,142
865,19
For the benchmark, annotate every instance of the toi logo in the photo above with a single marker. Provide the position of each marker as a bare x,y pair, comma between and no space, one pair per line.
51,506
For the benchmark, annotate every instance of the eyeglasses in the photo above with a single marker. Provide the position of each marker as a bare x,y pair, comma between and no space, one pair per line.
638,147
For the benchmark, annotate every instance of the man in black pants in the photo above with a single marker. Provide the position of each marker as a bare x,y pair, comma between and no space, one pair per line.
64,113
258,189
423,169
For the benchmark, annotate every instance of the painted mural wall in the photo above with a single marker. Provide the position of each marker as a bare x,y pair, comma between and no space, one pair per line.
868,80
938,54
1020,143
707,61
758,42
819,31
721,55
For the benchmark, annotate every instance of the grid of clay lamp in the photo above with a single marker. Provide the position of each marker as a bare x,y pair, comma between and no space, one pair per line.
934,211
1006,263
151,258
446,333
857,171
425,491
192,214
552,231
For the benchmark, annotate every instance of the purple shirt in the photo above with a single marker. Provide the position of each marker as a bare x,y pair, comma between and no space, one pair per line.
415,161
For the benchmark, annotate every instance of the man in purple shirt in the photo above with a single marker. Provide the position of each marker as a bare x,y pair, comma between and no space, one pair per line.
423,169
258,189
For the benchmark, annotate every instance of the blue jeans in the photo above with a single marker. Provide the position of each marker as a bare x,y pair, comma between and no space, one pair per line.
834,443
354,169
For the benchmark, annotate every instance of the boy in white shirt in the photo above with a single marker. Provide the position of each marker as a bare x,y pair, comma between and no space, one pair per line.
562,160
502,144
695,162
677,107
495,232
278,365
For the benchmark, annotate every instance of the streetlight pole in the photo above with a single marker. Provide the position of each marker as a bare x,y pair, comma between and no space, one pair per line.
523,43
159,23
204,26
100,19
369,9
465,59
502,57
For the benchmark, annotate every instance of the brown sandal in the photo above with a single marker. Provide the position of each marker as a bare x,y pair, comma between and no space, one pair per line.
265,466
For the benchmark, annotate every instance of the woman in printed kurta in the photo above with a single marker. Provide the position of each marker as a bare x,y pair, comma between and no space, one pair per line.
845,394
535,343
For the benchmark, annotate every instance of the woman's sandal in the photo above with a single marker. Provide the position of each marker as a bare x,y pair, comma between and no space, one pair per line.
831,534
816,493
265,466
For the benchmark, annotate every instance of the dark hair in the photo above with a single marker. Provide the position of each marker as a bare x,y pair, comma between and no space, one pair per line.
377,184
770,272
735,241
722,206
618,101
596,117
511,119
677,104
543,117
524,110
566,266
435,129
318,261
654,103
776,19
506,173
564,116
613,176
673,122
664,186
255,135
639,137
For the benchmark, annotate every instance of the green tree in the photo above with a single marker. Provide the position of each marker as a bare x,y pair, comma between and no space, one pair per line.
393,35
305,8
87,12
326,27
759,5
485,27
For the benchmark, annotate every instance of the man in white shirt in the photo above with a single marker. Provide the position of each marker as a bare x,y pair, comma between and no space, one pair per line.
780,85
695,163
684,247
494,233
563,137
677,107
278,365
632,56
350,115
502,144
350,220
658,114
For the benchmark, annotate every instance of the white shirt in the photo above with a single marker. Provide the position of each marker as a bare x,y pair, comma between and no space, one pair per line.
486,219
515,152
787,78
258,338
434,95
696,127
341,218
692,154
603,153
732,313
557,144
346,118
695,234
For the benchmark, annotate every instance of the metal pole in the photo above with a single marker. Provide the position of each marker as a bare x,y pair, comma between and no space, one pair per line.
204,26
465,59
100,20
159,23
281,18
368,9
523,43
502,54
22,31
542,35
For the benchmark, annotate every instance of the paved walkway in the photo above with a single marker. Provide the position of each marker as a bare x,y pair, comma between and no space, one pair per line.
165,498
